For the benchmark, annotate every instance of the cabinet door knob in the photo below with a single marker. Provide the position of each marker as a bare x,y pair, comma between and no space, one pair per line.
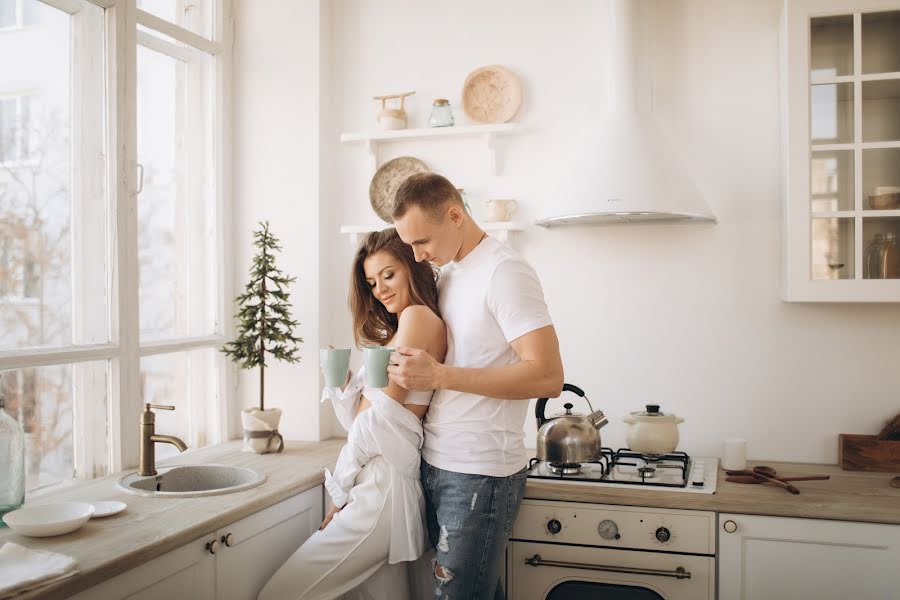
213,546
229,540
729,526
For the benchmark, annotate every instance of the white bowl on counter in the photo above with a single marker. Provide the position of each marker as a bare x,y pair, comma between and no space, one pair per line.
48,520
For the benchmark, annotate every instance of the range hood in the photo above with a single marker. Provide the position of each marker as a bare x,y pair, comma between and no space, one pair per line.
629,172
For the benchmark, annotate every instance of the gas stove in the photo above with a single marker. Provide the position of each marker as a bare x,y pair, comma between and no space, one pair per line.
675,472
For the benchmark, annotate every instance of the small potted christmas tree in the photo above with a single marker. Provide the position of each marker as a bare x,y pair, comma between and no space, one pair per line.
265,327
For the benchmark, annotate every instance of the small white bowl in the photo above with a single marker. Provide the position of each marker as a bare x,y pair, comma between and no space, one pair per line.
49,519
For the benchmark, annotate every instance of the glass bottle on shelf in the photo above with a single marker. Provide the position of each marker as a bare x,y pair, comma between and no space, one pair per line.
441,114
881,259
12,462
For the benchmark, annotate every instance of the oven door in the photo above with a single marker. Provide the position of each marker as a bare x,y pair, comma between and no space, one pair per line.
558,572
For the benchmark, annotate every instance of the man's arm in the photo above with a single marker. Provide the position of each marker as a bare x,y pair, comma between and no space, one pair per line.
538,374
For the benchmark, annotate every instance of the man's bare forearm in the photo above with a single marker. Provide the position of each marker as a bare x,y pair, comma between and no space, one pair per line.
521,381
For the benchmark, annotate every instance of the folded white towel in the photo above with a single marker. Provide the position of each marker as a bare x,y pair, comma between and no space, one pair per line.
22,569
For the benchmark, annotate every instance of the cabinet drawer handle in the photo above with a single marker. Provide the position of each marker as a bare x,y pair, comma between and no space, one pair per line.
213,546
729,526
229,540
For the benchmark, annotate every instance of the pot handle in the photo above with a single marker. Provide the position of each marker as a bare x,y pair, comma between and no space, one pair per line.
542,403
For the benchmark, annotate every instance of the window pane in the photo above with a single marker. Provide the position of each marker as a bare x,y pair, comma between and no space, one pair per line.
176,236
43,400
195,15
8,13
52,209
187,381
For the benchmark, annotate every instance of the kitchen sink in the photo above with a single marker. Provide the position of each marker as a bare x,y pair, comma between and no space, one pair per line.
186,481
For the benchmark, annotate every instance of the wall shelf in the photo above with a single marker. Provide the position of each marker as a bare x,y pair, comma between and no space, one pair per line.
498,229
488,134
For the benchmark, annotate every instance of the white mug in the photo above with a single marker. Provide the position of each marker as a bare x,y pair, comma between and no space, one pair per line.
500,210
735,457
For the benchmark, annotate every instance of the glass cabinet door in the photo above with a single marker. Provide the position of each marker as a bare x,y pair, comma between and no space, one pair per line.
854,137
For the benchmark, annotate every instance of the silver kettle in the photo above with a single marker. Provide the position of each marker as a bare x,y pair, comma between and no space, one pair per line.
569,438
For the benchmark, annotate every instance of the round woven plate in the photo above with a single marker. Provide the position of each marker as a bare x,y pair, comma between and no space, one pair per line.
491,94
388,179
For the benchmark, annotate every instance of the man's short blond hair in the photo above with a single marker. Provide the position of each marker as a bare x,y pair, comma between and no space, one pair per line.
429,191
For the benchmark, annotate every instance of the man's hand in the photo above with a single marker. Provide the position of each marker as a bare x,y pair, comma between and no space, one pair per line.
334,510
414,369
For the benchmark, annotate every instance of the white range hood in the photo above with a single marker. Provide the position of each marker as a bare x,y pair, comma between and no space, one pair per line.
629,173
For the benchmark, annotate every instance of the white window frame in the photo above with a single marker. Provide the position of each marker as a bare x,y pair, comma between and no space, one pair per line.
124,351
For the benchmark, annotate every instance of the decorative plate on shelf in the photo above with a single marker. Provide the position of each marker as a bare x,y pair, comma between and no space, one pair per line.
491,94
388,179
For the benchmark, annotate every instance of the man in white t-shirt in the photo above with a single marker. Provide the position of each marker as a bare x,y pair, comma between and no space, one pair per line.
502,351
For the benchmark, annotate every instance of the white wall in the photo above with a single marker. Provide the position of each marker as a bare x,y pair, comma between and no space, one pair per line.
686,316
277,66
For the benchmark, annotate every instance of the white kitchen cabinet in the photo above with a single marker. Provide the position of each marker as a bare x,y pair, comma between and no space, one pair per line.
841,127
182,574
761,558
262,542
247,553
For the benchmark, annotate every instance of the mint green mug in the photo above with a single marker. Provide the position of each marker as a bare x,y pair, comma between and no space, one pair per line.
376,360
335,362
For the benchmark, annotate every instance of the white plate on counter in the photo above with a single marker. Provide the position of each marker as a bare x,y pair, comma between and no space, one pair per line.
107,508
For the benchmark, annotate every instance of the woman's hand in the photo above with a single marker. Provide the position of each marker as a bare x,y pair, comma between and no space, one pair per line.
334,510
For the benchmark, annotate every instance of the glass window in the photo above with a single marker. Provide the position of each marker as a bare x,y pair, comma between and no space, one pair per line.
43,400
187,381
195,16
176,235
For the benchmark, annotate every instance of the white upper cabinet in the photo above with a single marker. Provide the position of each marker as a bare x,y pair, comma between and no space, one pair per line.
841,95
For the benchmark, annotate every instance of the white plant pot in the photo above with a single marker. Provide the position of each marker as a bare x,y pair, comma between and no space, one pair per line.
261,430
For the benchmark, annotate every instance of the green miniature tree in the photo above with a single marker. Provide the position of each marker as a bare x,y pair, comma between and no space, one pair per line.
264,314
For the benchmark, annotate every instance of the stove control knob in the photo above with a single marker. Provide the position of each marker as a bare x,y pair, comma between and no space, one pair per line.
608,530
554,526
663,535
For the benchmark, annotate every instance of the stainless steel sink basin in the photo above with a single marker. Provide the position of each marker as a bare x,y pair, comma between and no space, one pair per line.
179,481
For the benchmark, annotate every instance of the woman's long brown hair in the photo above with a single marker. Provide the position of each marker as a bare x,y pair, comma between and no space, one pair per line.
372,323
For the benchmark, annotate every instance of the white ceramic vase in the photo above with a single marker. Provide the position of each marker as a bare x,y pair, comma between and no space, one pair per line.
261,430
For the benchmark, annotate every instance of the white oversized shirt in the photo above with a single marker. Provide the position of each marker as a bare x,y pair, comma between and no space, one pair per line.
487,300
389,430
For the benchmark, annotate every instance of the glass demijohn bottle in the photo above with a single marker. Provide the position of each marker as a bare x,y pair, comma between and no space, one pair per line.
12,462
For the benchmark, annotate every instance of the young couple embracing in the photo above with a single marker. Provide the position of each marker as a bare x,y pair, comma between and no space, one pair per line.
437,458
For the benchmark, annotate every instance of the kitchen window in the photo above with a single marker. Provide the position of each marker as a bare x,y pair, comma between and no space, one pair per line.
112,195
15,14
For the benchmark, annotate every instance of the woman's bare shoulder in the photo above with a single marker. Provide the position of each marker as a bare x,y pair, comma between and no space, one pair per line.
419,315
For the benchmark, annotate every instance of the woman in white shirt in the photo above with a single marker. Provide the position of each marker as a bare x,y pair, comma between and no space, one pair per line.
377,523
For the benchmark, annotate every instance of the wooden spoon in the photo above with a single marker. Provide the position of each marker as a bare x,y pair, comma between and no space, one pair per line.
777,482
792,489
755,479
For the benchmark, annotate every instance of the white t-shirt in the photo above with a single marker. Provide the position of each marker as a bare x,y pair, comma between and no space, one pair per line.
488,299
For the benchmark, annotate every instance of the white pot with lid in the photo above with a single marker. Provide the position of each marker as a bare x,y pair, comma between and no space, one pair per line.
651,431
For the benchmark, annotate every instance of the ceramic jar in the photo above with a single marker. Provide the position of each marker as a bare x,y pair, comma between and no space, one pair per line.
652,432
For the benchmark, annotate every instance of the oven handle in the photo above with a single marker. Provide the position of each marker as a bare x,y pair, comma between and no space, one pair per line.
537,561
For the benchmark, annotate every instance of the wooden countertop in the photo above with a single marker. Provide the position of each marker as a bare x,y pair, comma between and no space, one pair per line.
150,527
847,496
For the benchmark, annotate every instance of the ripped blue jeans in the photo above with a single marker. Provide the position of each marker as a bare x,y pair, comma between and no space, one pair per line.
470,518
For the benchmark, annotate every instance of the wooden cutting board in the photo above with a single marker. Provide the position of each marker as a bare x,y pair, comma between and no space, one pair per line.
867,453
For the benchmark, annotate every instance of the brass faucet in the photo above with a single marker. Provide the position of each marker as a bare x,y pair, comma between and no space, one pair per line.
149,439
